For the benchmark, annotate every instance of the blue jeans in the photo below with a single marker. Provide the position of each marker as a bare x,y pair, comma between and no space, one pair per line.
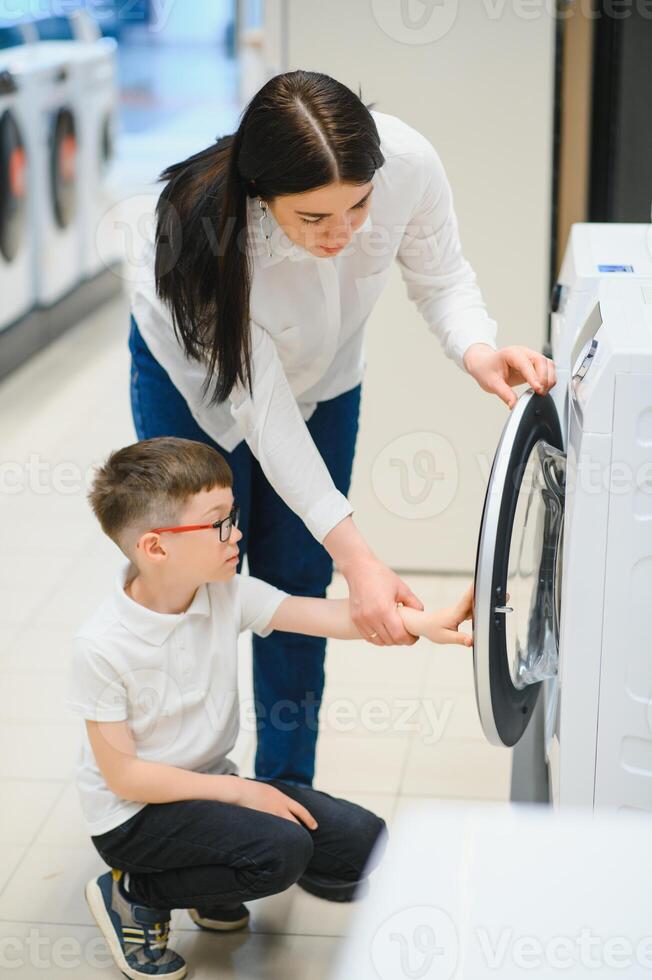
210,855
288,667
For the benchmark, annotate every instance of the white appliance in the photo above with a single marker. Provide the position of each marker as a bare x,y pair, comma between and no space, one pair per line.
94,68
16,231
53,97
596,255
450,900
563,582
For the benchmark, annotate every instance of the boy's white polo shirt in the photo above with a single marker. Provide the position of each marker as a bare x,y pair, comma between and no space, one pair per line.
172,676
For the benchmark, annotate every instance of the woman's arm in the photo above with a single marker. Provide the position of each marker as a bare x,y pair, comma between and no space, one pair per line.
332,618
374,589
279,438
444,288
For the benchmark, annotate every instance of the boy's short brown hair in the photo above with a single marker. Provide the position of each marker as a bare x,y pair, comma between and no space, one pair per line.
146,484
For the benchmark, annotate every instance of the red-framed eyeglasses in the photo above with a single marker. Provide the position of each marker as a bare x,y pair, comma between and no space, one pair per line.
224,526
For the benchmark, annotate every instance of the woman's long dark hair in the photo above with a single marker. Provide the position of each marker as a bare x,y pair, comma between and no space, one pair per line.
301,131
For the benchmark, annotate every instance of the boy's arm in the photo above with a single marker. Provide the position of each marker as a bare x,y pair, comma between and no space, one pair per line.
137,779
315,617
332,618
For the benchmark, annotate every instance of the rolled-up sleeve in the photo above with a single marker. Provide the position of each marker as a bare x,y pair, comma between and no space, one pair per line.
279,439
439,280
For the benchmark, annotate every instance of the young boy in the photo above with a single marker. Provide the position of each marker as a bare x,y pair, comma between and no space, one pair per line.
154,675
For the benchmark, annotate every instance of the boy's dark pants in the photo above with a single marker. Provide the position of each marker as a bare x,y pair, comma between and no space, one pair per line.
209,855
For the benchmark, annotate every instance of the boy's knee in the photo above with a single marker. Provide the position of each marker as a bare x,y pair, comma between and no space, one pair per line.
293,850
377,841
370,839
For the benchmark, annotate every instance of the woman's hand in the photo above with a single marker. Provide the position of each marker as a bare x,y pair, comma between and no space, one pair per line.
498,371
374,591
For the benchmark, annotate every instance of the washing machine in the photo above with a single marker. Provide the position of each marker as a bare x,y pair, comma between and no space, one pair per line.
563,580
12,35
78,25
94,67
53,98
17,286
596,255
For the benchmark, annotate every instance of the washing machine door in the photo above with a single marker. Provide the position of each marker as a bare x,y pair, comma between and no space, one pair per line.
13,179
518,570
63,166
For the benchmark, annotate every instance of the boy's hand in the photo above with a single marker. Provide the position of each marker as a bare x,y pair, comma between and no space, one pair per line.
261,796
443,625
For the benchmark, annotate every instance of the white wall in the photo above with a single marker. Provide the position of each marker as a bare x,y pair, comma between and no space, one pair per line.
194,21
478,83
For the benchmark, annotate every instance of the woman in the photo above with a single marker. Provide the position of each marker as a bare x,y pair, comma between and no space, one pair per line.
271,248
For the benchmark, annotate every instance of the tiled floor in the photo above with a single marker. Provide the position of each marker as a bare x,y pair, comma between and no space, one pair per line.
396,724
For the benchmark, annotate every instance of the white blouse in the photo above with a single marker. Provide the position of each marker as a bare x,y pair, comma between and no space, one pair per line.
308,315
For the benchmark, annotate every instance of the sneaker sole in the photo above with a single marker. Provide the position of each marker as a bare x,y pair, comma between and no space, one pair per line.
343,892
95,901
221,926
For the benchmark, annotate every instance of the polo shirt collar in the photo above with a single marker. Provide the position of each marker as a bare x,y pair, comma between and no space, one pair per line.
282,247
148,625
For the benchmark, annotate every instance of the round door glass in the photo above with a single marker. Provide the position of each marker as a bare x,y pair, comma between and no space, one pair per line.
13,187
534,568
63,167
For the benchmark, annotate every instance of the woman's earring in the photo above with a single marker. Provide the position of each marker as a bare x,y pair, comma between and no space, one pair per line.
263,207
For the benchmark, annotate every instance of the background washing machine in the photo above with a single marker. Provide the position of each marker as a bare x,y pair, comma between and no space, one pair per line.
16,225
564,563
12,35
51,140
94,68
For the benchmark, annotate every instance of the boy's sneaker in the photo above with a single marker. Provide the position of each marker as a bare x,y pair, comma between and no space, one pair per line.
333,890
226,920
136,935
